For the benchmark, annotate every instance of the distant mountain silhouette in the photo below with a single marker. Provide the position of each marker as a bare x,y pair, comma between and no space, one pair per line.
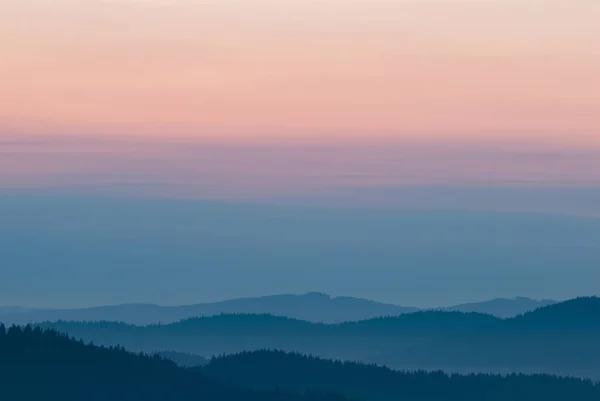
276,369
312,307
561,338
43,365
502,307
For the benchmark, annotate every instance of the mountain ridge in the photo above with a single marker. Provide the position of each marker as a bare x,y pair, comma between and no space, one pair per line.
312,306
422,340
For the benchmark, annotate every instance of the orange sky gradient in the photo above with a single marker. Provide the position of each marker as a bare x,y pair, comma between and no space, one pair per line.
516,70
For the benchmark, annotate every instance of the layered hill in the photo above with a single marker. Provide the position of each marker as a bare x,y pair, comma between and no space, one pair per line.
275,369
38,365
502,307
312,307
563,338
43,364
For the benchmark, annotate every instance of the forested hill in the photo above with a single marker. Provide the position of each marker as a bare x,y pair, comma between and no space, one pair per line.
44,365
561,338
38,364
276,369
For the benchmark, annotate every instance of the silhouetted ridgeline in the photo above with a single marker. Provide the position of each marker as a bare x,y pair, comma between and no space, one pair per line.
312,307
37,364
563,338
44,365
275,369
502,307
576,314
233,333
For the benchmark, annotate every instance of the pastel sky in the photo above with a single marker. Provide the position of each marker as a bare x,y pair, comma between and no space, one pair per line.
165,97
518,70
275,110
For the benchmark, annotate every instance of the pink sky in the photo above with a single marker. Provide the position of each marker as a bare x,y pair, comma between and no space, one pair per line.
418,175
336,95
517,70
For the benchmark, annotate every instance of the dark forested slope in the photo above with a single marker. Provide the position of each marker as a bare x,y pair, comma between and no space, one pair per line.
275,369
45,365
38,364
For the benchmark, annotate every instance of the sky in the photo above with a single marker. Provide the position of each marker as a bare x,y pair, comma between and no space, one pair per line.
445,175
262,98
518,70
73,251
331,110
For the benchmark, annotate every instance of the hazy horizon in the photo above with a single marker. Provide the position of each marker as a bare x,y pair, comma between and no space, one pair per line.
250,297
85,250
414,152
